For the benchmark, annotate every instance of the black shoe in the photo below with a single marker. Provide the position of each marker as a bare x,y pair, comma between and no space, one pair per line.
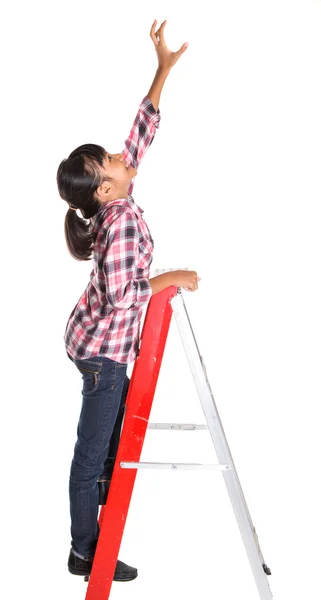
124,573
103,487
79,566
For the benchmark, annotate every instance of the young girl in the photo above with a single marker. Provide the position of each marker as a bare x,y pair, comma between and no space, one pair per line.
102,334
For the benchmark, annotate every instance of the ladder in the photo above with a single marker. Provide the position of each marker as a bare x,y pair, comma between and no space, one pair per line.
139,401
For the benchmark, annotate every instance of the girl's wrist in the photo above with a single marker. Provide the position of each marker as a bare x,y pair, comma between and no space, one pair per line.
162,69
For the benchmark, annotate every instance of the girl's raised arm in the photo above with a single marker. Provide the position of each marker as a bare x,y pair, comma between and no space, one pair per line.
148,117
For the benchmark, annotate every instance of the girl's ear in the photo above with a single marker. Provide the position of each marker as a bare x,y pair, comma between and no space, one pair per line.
104,190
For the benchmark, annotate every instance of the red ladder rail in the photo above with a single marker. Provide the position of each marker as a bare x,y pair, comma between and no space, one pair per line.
138,406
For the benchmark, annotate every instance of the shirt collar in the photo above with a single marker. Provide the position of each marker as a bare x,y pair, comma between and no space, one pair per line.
100,215
126,202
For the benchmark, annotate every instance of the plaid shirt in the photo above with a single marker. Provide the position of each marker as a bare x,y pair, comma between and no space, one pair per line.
106,319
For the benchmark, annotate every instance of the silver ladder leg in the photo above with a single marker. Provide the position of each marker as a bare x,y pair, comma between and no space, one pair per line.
248,533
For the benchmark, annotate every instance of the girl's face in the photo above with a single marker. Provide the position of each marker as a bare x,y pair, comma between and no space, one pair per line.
116,168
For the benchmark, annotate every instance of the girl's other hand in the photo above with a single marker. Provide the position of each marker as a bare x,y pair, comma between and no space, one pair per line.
188,280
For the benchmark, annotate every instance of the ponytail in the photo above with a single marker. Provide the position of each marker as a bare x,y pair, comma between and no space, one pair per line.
78,235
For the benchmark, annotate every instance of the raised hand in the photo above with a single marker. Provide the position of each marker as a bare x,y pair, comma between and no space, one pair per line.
166,58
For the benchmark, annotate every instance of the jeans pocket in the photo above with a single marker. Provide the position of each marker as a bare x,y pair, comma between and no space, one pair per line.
91,374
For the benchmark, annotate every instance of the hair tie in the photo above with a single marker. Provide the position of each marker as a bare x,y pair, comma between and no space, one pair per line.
78,213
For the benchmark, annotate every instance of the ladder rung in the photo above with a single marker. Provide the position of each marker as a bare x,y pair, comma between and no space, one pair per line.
176,426
174,466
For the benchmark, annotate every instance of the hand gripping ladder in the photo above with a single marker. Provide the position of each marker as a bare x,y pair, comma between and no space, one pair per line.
139,401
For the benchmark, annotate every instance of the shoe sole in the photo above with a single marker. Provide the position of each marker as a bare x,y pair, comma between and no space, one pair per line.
78,572
86,574
127,578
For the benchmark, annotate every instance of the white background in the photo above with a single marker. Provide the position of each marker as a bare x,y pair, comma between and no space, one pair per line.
231,188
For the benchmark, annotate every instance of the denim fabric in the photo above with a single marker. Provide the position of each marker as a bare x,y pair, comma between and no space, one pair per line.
104,391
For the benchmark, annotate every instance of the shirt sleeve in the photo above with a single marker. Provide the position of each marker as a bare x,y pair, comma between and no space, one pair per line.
141,135
124,289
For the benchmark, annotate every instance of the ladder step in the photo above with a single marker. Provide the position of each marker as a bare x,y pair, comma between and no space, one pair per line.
174,466
176,426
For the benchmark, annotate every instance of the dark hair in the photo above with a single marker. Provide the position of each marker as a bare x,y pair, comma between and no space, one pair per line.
78,177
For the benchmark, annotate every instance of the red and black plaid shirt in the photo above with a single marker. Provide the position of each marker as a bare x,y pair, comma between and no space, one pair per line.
106,319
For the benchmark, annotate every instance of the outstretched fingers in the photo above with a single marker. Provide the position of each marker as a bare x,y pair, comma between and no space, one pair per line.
159,33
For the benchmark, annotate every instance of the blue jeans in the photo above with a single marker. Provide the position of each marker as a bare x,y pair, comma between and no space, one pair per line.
105,387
